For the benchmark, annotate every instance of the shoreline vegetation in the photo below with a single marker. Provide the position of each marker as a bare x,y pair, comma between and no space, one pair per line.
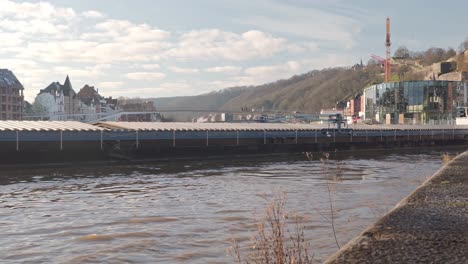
280,236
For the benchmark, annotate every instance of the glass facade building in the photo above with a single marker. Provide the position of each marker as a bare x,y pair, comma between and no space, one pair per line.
416,102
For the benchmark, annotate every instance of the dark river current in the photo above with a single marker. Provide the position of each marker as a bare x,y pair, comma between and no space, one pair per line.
188,212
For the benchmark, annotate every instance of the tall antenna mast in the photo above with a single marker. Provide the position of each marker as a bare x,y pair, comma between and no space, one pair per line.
388,44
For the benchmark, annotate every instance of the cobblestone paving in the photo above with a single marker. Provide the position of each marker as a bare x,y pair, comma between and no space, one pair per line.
429,226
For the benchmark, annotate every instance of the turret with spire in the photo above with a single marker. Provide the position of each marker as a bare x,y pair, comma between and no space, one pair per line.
67,87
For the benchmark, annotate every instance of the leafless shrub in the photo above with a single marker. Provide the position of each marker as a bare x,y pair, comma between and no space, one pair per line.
446,157
331,185
274,242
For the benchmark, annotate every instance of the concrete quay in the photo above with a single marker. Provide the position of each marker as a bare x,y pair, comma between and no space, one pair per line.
428,226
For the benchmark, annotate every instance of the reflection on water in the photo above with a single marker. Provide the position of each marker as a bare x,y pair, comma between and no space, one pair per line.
187,212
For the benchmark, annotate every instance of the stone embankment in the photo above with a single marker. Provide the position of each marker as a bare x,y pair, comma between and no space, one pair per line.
428,226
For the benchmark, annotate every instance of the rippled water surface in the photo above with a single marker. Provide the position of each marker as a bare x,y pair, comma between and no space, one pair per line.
187,212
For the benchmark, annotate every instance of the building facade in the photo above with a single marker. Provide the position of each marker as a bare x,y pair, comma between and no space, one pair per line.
416,102
11,96
93,105
60,100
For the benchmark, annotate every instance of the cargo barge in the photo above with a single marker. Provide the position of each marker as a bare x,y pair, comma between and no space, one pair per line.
68,141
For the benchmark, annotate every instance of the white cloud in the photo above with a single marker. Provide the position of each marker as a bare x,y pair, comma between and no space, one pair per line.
146,76
306,22
286,69
14,40
47,42
224,69
41,10
163,90
112,85
303,47
126,31
151,66
86,72
218,44
44,32
269,73
93,14
183,70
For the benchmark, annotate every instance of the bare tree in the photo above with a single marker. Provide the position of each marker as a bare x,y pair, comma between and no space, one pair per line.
463,46
402,52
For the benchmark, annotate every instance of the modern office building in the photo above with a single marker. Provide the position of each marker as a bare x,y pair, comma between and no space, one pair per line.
416,102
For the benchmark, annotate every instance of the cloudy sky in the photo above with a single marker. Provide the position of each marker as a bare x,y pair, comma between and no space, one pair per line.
159,48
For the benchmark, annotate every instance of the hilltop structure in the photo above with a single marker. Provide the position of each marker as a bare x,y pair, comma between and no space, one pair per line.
11,96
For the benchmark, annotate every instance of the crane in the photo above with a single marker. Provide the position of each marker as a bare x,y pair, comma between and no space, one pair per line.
379,59
388,44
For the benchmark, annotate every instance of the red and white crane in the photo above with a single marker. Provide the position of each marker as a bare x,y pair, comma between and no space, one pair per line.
386,62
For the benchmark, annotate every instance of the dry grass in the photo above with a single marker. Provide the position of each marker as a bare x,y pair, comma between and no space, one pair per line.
446,157
336,177
274,242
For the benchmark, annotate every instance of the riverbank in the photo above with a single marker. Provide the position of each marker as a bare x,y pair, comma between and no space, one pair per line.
428,226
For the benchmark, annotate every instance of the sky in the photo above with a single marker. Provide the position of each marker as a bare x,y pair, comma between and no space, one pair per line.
156,48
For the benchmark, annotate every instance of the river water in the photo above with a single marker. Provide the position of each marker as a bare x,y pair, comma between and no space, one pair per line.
188,212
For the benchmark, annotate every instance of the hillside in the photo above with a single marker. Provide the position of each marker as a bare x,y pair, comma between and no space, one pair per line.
209,101
318,89
307,92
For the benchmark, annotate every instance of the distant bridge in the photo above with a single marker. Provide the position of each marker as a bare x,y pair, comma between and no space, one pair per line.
115,116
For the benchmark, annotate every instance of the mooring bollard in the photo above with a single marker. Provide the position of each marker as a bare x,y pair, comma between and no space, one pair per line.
137,143
17,141
173,138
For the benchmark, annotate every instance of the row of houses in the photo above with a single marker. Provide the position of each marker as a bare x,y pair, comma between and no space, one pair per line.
60,102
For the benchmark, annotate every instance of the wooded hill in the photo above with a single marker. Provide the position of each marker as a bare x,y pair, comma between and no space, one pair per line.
317,89
307,92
